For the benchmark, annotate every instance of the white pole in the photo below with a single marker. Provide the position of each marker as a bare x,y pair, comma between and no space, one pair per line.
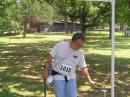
113,51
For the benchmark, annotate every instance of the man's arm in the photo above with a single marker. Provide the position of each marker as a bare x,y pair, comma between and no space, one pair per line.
48,64
87,76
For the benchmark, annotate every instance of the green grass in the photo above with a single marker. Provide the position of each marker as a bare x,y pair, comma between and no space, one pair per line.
20,72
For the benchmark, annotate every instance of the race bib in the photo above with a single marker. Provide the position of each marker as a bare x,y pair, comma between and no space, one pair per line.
65,69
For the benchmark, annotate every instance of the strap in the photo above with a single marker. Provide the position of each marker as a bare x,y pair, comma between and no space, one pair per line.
55,73
66,80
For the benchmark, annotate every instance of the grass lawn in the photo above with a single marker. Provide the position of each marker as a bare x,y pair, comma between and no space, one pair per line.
20,72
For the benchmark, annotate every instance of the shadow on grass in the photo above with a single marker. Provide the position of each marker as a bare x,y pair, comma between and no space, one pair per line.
20,73
102,42
7,93
100,68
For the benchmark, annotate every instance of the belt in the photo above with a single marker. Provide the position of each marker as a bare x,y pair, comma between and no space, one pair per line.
57,73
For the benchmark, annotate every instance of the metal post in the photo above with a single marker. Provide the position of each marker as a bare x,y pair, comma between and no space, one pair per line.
104,93
113,50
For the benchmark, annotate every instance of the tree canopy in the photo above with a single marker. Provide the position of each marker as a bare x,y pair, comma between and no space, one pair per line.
18,15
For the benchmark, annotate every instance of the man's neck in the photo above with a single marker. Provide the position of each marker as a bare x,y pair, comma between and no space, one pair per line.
71,45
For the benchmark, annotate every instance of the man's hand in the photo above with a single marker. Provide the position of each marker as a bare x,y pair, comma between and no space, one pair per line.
45,74
87,77
48,62
95,84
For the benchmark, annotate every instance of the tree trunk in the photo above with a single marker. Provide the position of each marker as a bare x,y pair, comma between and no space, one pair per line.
110,30
25,22
82,20
71,29
25,29
66,25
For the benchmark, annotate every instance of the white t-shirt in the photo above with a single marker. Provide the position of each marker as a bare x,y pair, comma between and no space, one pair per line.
63,54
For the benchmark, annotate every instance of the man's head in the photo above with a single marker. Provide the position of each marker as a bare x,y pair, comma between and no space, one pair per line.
77,41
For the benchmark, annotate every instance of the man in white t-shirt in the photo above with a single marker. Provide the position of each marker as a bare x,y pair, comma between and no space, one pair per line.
64,58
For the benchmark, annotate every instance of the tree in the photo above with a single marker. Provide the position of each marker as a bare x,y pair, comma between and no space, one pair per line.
122,13
5,15
62,7
35,11
104,14
74,10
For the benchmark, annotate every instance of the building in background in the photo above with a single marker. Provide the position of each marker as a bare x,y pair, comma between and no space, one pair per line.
57,26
